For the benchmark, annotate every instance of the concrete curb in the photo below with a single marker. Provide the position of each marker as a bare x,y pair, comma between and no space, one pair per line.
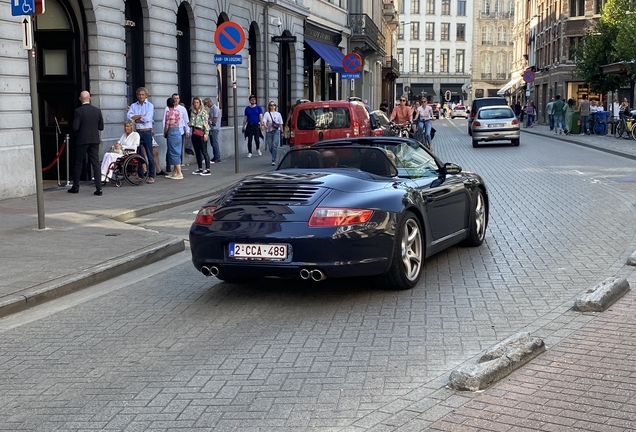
631,261
91,276
497,363
602,295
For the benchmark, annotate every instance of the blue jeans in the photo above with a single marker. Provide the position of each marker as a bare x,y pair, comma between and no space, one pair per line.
272,142
214,142
530,119
584,124
145,143
428,124
551,118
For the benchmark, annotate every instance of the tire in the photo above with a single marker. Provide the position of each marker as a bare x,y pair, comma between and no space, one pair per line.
515,142
131,169
408,255
620,129
478,219
632,132
475,143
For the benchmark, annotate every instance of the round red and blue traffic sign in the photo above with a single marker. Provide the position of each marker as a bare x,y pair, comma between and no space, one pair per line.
229,37
352,62
528,76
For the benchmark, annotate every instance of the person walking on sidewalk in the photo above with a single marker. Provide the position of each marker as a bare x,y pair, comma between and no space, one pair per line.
530,112
87,122
252,125
142,112
214,120
557,110
172,128
200,131
273,122
548,109
569,112
584,109
184,129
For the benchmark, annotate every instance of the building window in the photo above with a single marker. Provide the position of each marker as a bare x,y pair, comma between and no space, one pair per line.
430,58
502,68
498,8
401,7
486,65
461,8
415,31
486,10
430,7
443,60
461,32
401,31
445,7
445,31
486,35
577,8
502,35
415,6
400,59
575,42
511,9
414,60
430,31
599,6
459,61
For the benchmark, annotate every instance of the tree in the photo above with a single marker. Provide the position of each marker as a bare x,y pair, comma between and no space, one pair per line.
600,47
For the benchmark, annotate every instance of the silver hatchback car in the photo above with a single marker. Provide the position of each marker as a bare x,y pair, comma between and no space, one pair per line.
496,123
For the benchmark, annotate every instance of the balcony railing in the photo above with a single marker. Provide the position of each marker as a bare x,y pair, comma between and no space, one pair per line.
362,24
486,76
502,75
502,43
486,42
391,62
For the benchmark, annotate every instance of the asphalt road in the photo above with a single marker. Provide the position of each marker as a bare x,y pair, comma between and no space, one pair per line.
165,348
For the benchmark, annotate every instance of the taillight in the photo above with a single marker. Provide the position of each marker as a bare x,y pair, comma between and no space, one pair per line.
205,216
330,217
356,128
378,132
476,123
515,121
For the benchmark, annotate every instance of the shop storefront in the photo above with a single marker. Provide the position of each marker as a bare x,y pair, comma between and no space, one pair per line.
323,64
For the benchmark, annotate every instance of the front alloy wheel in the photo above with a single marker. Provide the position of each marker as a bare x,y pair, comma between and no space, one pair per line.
478,219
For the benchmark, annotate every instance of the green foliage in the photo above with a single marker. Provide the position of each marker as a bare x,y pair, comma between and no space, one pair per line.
610,40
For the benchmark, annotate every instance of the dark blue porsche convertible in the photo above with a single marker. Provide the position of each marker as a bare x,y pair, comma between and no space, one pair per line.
341,208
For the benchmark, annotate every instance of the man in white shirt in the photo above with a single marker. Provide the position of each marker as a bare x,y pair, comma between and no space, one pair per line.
214,120
548,109
183,124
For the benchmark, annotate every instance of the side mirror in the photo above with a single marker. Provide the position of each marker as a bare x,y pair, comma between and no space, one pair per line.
451,168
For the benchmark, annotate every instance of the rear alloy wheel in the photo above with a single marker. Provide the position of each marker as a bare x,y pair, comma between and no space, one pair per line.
408,255
478,219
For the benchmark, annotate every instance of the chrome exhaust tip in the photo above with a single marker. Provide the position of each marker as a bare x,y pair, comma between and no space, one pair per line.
318,275
214,271
206,271
305,274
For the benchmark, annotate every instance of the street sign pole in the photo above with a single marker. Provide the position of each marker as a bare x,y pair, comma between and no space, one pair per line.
35,115
236,128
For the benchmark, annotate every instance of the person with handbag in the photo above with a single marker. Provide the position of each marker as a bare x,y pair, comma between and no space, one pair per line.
252,125
172,123
183,127
273,122
200,132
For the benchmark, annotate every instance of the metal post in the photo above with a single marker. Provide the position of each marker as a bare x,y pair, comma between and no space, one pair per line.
236,132
68,160
35,115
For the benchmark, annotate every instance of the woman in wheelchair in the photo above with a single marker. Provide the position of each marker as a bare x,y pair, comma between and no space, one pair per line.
128,143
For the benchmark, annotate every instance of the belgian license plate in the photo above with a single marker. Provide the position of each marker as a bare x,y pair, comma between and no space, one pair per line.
496,125
266,252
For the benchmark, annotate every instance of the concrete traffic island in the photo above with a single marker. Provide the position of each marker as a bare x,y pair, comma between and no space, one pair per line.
632,259
497,363
602,295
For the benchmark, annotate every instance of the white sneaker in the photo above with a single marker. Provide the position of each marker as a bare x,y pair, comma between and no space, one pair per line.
260,153
249,155
212,161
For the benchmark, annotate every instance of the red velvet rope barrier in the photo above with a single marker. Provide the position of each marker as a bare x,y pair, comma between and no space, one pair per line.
59,153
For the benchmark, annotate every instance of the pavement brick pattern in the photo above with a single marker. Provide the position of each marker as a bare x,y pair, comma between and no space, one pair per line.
182,352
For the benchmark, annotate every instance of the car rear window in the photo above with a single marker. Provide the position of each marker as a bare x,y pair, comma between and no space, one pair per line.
460,109
495,113
323,118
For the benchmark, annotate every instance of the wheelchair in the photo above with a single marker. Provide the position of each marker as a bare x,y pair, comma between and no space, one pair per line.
131,167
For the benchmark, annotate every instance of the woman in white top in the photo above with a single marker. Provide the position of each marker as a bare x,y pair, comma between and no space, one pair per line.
128,142
427,118
272,122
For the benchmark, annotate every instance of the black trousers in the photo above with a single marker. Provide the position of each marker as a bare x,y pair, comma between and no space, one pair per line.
253,132
93,157
200,151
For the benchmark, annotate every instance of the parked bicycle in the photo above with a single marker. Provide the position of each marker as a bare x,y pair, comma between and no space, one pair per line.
626,126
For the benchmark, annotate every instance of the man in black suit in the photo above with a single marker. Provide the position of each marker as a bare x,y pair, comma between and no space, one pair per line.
88,121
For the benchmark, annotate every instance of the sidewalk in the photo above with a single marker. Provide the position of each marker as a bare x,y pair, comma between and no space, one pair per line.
86,239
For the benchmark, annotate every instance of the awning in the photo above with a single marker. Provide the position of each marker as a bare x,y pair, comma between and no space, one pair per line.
329,53
423,90
508,86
